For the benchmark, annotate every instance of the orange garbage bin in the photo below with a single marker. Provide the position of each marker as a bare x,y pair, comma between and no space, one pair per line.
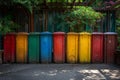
21,47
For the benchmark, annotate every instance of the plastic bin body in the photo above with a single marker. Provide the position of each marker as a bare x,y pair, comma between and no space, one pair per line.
110,45
21,47
9,48
46,47
97,47
85,47
72,47
59,47
33,47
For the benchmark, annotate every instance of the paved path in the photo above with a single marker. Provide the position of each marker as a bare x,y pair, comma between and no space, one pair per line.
59,72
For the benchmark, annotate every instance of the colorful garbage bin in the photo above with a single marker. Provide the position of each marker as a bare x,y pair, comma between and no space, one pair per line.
33,47
97,47
21,47
72,47
9,48
59,47
110,45
46,47
85,47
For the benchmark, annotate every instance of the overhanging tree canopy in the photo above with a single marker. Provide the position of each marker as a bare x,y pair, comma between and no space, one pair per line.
62,4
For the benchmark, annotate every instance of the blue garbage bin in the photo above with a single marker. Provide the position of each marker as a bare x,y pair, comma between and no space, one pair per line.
46,47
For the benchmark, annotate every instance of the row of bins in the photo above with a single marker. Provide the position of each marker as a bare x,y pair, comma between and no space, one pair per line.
73,48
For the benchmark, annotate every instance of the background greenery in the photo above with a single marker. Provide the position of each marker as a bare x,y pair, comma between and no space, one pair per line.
79,17
7,24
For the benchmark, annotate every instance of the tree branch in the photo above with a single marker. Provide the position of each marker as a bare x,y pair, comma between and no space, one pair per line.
73,4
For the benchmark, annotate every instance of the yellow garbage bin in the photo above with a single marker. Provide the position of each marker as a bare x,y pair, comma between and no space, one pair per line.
21,47
72,47
85,47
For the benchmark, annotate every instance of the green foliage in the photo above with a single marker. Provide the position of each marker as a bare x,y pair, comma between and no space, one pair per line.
60,22
118,22
98,3
6,2
7,25
79,17
75,0
118,18
29,4
118,47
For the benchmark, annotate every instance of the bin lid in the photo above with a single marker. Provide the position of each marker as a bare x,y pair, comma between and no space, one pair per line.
85,33
98,33
11,33
110,33
22,33
72,33
59,33
45,33
34,33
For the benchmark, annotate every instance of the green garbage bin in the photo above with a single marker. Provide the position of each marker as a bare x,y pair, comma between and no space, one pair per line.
33,47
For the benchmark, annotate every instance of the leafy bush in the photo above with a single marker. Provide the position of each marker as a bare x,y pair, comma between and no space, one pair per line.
29,4
7,25
78,17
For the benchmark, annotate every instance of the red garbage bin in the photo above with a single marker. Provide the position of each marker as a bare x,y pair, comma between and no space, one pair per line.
110,45
97,47
59,47
9,48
